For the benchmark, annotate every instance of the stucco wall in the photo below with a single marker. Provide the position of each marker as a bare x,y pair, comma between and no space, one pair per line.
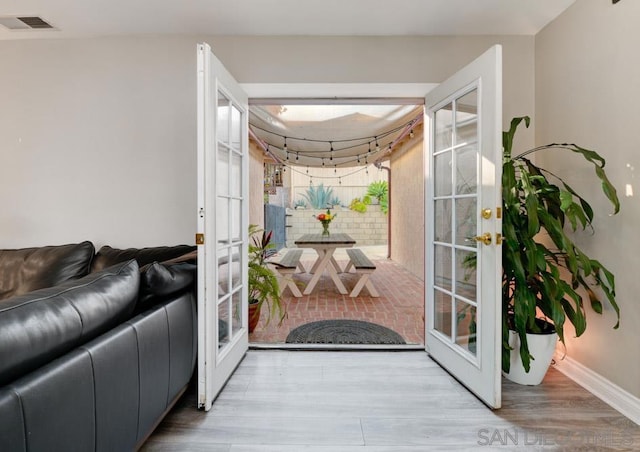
256,190
407,206
587,92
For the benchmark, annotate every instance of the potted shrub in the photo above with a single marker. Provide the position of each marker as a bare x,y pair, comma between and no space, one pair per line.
263,284
378,191
546,277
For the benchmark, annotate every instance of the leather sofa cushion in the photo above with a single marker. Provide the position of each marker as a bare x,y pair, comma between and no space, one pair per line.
38,327
161,281
27,269
108,256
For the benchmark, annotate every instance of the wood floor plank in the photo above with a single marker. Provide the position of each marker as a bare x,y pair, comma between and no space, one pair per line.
290,401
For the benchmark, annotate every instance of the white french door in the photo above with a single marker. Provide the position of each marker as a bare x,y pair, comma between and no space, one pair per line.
222,225
463,170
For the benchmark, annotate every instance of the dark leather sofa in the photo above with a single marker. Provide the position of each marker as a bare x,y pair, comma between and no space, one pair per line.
95,348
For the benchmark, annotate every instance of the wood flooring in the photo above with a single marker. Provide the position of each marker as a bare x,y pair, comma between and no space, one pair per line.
313,401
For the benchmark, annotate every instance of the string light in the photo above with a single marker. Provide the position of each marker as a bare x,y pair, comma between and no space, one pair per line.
335,169
411,134
302,173
378,139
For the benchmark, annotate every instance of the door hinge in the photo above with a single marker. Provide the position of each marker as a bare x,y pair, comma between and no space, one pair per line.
199,239
498,212
498,238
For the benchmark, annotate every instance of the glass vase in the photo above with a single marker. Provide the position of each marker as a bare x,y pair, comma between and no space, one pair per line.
325,228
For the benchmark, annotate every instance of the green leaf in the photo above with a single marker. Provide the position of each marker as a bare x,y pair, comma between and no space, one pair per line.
585,205
507,137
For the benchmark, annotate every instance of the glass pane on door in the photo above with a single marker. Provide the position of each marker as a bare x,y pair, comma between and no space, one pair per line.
444,128
442,314
466,326
222,125
455,221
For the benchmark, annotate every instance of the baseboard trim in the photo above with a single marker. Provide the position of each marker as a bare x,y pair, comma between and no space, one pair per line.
605,390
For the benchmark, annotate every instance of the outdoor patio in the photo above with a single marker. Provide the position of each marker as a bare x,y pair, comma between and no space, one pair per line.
400,306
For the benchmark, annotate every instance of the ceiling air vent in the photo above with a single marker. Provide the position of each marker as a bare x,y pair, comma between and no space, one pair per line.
25,23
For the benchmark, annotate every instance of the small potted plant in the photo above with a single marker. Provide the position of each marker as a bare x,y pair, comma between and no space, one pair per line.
263,284
378,191
545,274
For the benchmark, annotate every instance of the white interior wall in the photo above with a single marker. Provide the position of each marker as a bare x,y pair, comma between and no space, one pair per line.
587,92
97,141
97,136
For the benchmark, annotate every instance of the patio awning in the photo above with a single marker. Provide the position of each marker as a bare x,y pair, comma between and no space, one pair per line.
331,135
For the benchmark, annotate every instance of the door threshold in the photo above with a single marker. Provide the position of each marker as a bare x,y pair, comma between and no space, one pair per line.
338,347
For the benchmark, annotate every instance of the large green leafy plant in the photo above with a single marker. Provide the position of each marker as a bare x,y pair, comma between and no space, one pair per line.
263,283
544,273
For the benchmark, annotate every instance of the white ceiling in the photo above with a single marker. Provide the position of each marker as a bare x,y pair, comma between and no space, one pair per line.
83,18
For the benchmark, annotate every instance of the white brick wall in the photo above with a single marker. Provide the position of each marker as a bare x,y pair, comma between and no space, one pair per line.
369,228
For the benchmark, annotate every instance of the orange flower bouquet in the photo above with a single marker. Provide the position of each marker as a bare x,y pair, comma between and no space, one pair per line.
325,219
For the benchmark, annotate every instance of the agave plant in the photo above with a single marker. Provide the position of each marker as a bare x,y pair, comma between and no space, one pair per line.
319,197
543,269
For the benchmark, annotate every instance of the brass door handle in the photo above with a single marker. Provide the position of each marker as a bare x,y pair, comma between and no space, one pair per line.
484,238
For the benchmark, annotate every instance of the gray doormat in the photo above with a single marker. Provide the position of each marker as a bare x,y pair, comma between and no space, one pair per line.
343,332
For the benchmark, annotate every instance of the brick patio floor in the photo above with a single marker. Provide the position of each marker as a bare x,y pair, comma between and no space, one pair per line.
400,305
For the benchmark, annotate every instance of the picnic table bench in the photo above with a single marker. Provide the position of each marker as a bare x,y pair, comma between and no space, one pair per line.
364,267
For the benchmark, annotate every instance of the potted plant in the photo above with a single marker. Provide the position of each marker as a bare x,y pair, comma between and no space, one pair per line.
263,284
378,191
546,277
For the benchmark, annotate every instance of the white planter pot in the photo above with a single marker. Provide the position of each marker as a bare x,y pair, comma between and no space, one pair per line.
542,347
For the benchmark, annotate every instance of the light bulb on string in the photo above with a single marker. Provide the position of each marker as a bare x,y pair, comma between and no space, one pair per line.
411,134
339,181
287,154
377,145
389,148
331,155
323,161
335,169
297,156
369,147
358,158
307,169
285,144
